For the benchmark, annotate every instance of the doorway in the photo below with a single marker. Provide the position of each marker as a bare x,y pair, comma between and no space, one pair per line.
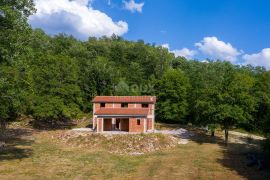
107,125
122,124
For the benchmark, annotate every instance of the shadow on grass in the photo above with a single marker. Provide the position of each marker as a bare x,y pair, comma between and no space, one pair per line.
235,157
17,144
53,125
235,154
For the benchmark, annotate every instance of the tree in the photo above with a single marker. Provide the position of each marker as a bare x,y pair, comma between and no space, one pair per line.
231,101
14,28
56,93
171,91
9,101
262,94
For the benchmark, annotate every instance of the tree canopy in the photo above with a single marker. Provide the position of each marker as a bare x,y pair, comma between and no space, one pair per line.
54,78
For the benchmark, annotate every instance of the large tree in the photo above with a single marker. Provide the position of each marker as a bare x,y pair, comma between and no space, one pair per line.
228,101
262,94
13,39
56,93
171,91
14,29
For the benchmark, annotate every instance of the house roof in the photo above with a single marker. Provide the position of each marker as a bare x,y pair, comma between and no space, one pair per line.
127,99
121,111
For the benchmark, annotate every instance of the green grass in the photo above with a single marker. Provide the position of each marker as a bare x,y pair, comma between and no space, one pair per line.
241,130
48,159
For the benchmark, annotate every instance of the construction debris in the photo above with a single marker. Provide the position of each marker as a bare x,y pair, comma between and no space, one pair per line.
124,143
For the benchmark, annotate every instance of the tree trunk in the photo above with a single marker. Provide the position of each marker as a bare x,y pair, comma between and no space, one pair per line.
3,127
213,133
226,136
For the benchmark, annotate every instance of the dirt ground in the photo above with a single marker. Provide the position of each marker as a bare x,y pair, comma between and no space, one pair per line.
33,154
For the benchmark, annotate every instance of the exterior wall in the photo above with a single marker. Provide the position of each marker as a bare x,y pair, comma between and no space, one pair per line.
131,105
153,116
94,122
109,105
133,127
99,124
149,124
151,107
145,124
117,105
96,106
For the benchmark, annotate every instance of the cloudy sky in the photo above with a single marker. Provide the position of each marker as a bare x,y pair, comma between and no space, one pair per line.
234,30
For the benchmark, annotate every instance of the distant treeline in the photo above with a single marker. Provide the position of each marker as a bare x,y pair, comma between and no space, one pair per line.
55,78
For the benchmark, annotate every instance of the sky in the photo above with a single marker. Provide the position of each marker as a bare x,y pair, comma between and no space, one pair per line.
233,30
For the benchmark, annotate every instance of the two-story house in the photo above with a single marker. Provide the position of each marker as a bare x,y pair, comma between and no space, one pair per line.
124,113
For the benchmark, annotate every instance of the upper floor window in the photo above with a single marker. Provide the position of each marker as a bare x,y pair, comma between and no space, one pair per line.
102,104
124,105
145,105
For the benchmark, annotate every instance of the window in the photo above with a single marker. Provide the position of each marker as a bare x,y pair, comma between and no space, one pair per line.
102,104
124,105
145,105
138,122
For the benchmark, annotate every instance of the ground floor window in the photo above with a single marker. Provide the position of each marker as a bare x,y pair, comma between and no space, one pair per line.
138,122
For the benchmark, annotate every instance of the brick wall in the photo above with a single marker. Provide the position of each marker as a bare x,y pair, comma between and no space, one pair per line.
134,127
117,105
149,123
99,122
109,105
97,106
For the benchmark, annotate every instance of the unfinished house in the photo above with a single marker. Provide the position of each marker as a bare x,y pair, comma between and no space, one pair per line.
124,113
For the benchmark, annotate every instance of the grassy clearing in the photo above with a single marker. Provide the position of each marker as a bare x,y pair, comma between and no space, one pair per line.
34,155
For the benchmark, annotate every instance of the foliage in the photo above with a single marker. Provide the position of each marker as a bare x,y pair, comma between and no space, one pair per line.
14,28
55,78
171,92
9,100
262,94
56,92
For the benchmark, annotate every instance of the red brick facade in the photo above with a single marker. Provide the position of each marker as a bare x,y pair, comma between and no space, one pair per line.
124,113
134,126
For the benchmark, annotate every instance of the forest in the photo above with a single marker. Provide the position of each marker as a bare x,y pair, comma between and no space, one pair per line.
54,78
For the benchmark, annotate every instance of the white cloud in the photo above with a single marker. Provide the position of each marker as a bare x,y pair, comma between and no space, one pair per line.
185,52
75,17
215,48
166,46
133,6
260,59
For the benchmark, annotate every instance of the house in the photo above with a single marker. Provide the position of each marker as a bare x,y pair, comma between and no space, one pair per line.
124,113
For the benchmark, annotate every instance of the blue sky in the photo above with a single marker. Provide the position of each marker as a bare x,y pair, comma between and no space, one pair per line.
233,30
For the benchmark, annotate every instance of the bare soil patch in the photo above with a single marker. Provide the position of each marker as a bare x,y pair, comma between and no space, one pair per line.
132,144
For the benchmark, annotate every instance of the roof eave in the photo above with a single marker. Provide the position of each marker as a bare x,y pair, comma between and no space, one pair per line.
121,115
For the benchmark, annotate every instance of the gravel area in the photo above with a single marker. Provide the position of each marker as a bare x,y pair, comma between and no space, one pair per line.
181,134
83,129
246,135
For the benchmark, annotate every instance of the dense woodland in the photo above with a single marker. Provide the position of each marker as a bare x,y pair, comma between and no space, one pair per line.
55,78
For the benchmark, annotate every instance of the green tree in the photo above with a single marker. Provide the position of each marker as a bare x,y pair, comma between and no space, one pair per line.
14,28
56,93
262,94
9,100
229,100
171,91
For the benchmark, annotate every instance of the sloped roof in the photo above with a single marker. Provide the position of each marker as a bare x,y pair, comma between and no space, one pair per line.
127,99
122,111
